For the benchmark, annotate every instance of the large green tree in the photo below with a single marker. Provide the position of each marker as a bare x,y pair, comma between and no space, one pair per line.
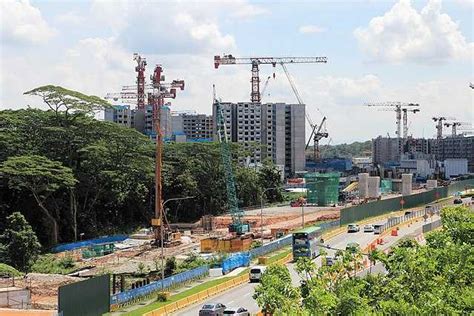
42,178
19,246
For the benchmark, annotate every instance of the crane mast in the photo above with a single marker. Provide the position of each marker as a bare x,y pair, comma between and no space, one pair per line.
237,225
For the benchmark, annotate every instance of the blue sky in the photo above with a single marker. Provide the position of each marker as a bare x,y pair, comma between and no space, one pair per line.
409,51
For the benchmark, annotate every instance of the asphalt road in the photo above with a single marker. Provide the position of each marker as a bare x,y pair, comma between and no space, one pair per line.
241,296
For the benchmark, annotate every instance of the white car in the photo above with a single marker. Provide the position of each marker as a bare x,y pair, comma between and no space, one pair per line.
353,228
256,273
368,229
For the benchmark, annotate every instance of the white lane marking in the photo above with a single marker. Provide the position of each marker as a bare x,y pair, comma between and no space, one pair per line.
231,302
245,295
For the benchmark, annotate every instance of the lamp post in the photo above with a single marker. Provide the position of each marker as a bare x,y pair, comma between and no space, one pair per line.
162,232
261,211
302,215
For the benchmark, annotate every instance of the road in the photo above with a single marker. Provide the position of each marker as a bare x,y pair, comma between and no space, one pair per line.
241,296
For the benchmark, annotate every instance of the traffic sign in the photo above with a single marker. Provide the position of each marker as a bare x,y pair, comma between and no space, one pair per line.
402,202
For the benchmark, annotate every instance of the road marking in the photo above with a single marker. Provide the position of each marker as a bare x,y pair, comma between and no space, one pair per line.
245,295
230,303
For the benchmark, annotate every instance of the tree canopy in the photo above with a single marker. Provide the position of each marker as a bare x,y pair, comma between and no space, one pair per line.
436,278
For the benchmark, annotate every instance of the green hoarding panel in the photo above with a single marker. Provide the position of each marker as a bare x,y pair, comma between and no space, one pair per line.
86,298
376,208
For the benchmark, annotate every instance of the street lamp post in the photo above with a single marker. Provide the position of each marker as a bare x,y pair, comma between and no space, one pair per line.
261,211
302,215
162,233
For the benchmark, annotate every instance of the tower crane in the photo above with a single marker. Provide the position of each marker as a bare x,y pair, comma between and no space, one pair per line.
405,118
439,125
157,91
454,126
399,108
256,61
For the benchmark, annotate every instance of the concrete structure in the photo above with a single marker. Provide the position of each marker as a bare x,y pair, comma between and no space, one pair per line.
407,179
385,150
431,184
363,185
272,130
362,162
454,167
373,185
455,147
13,297
195,127
418,167
141,121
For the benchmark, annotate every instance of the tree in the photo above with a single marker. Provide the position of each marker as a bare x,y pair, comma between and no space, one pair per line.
275,292
42,178
270,177
69,102
19,246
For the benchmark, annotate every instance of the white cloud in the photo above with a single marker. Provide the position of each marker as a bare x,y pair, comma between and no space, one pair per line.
70,18
403,34
245,10
21,22
305,29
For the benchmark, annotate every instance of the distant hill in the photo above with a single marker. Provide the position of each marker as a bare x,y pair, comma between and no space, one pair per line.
356,149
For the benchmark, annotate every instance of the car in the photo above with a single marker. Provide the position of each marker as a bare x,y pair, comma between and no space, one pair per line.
368,229
329,261
378,229
238,311
256,273
212,309
457,201
353,228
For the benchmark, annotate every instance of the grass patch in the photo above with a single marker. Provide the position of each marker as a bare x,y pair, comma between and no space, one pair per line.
50,264
6,270
184,294
278,256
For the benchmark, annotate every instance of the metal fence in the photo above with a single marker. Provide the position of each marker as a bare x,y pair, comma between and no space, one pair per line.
235,261
167,283
89,242
431,226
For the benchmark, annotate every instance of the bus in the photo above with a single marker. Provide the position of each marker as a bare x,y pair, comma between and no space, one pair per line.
306,242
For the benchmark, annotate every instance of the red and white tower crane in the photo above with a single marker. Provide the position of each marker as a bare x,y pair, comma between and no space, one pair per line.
256,61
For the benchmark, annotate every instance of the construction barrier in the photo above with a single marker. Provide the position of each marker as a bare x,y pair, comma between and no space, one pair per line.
119,299
235,261
431,226
198,297
89,242
371,209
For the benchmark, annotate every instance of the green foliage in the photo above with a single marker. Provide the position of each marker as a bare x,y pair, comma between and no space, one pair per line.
432,279
19,246
170,266
356,149
161,297
275,292
9,271
48,263
141,269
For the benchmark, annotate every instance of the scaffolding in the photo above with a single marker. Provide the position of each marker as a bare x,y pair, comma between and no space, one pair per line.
322,188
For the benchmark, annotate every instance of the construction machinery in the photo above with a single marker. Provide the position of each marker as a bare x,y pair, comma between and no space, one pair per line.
439,125
455,125
255,95
237,226
156,93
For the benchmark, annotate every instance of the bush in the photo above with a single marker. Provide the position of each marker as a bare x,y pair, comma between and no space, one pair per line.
50,264
162,296
9,271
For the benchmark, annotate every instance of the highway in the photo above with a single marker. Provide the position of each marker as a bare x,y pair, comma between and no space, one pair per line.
241,296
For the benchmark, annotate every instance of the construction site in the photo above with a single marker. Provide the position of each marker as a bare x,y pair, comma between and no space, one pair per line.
137,260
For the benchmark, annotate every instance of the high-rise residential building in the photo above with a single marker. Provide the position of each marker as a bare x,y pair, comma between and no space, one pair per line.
271,130
457,147
143,122
194,127
385,150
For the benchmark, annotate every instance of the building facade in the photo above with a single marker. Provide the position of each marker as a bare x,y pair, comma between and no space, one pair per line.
271,130
141,121
385,150
458,147
194,127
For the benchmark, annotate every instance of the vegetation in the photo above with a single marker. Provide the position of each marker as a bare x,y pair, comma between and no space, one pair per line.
356,149
48,263
9,271
19,246
431,279
69,173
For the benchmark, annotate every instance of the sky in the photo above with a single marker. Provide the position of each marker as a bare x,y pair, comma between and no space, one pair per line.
378,51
